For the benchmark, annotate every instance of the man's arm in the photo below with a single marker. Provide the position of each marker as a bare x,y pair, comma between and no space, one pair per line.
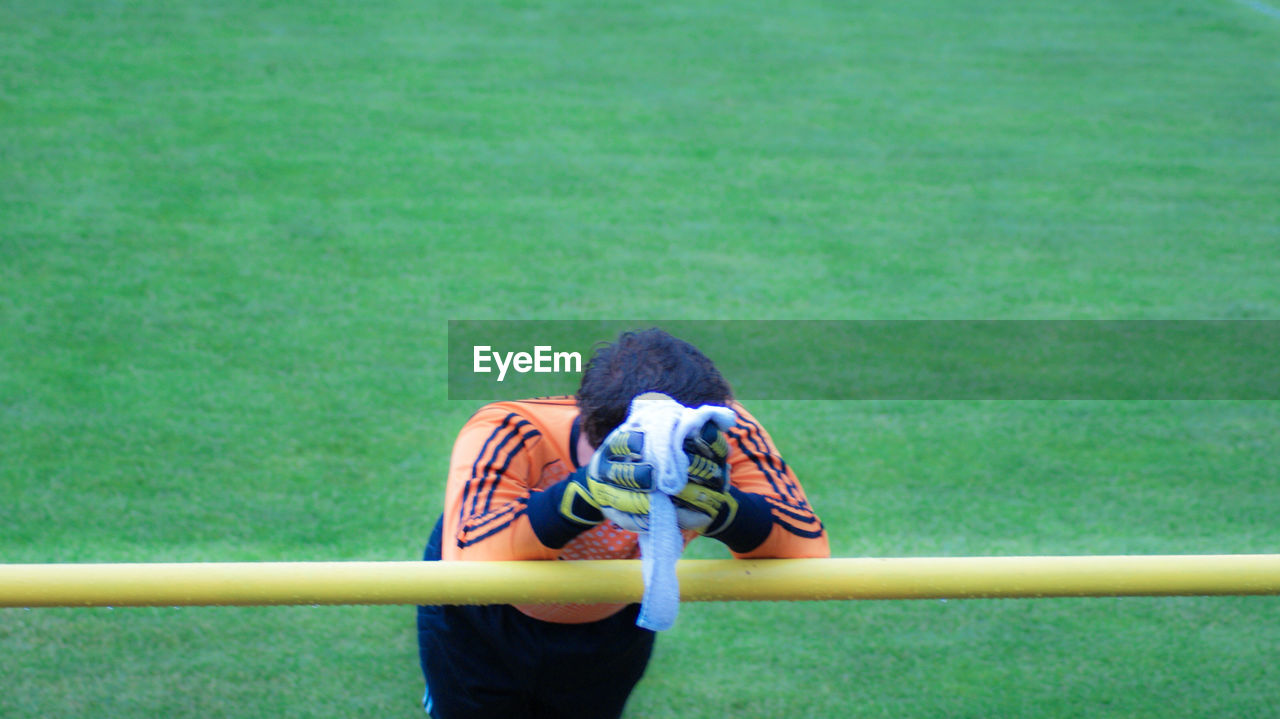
487,496
772,507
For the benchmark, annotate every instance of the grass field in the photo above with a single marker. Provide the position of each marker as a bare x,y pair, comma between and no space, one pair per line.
231,236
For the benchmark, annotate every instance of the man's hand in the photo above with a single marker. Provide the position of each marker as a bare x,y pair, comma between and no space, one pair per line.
618,480
705,504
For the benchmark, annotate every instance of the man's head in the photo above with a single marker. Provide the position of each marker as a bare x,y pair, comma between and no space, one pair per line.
639,362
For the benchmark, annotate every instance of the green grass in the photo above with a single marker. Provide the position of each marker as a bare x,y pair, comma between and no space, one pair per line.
231,235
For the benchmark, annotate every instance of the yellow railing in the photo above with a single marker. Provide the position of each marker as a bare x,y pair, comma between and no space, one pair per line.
277,583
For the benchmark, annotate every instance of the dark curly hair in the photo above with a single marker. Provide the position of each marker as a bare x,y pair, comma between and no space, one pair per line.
646,361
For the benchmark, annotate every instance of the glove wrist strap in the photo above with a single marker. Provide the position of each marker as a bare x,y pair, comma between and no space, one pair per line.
562,511
743,523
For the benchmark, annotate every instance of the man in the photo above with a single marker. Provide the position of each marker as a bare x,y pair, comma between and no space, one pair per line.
530,480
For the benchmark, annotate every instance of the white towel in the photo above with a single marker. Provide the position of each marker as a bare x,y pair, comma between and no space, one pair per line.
665,424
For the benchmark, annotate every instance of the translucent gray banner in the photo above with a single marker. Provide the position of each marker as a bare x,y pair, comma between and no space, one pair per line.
892,359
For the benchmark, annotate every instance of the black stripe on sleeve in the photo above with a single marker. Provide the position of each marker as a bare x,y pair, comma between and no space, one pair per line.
776,464
486,472
466,491
497,477
503,519
739,434
799,514
788,510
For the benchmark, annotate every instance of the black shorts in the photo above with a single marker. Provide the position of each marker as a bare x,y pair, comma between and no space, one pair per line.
494,661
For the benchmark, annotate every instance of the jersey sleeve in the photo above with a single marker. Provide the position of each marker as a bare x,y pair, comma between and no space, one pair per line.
756,467
487,495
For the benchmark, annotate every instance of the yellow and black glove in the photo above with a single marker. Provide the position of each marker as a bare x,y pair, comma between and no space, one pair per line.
618,480
705,504
711,504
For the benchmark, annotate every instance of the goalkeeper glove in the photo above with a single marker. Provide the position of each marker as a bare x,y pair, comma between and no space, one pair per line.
705,504
711,505
618,480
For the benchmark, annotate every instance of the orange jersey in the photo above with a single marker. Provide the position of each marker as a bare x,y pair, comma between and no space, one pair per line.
508,450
